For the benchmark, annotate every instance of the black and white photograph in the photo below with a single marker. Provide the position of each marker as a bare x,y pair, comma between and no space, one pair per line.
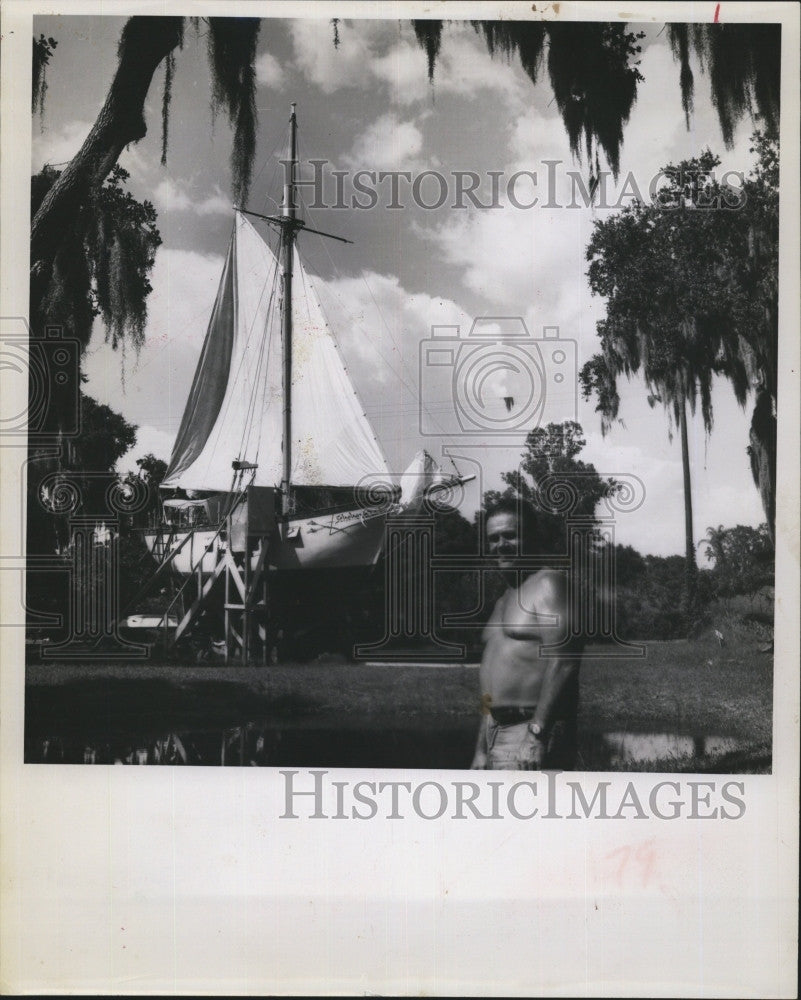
362,317
401,393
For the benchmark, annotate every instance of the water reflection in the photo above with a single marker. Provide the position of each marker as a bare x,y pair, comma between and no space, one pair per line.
262,744
638,748
239,746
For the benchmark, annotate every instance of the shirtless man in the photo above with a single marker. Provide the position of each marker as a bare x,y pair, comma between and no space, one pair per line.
529,696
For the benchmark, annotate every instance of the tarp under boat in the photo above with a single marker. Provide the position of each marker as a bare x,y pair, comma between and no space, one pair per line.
235,407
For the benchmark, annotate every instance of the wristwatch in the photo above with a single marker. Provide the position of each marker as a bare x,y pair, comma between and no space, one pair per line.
537,731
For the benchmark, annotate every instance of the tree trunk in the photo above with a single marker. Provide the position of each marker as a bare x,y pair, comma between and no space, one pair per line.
762,452
144,43
690,569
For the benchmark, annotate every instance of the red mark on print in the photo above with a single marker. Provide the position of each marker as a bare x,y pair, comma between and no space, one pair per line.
717,14
633,861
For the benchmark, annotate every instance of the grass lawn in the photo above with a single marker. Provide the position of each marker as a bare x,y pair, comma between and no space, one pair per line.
409,716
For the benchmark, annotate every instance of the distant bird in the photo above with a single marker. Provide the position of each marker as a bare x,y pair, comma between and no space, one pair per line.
719,637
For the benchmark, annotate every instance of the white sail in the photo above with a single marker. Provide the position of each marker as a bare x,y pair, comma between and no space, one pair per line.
423,473
235,407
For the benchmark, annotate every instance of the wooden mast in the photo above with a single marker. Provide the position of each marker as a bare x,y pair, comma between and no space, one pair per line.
289,219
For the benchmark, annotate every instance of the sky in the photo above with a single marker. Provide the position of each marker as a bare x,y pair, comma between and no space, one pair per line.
368,104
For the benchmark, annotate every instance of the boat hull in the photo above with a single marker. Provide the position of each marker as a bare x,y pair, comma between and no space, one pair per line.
333,540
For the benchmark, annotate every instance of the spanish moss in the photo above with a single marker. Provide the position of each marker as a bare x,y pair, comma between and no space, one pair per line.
593,72
743,62
102,266
42,50
232,52
123,255
526,38
678,36
692,295
429,36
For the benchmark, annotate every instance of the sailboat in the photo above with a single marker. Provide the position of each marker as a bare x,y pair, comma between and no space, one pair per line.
275,465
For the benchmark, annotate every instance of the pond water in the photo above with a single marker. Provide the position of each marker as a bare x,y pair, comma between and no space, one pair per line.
637,748
447,746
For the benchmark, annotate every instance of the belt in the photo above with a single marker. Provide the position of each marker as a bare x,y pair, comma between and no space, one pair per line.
509,715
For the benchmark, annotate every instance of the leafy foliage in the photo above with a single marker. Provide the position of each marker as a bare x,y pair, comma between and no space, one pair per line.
88,469
103,264
105,437
166,99
649,595
556,482
691,283
743,556
60,228
657,267
592,69
594,75
150,470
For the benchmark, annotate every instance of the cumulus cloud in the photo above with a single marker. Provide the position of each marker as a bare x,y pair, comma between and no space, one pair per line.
387,144
170,197
463,67
379,323
57,146
656,131
371,49
149,441
155,385
328,67
269,71
379,326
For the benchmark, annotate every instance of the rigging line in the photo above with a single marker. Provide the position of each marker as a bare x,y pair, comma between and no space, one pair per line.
264,365
257,374
414,393
388,363
257,380
282,140
276,163
243,354
378,310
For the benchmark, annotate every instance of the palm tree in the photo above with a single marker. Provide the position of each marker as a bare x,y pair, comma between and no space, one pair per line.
714,539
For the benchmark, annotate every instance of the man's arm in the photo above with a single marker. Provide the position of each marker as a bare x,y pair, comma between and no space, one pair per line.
546,595
482,750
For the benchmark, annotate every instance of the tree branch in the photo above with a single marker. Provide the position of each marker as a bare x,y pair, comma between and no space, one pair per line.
144,43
